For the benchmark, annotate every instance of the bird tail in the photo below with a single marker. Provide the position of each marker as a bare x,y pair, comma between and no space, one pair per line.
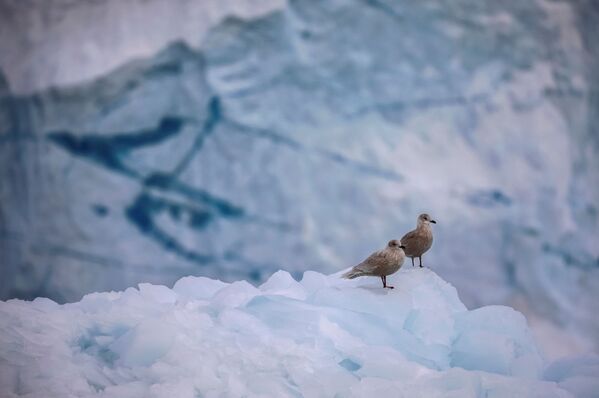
352,273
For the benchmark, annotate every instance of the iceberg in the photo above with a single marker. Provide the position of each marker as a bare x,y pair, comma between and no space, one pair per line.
306,135
321,336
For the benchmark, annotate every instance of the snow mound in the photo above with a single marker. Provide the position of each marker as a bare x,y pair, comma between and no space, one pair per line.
322,336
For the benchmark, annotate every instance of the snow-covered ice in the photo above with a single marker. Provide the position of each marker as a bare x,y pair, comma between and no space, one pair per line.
320,337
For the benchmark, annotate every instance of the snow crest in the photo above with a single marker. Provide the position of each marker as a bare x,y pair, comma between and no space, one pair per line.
322,336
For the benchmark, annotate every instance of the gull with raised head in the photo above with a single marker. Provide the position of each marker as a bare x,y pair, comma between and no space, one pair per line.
418,241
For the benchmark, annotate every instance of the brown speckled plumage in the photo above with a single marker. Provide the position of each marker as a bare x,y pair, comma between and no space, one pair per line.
418,241
381,263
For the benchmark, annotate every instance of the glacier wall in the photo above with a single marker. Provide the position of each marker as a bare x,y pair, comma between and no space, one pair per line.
47,43
309,137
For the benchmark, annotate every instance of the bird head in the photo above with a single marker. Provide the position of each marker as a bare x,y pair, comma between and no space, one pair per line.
394,244
425,219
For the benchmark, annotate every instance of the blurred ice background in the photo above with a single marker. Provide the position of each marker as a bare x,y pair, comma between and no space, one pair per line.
142,141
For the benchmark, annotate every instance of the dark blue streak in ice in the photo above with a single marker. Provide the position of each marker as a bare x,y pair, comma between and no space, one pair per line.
167,183
146,207
109,150
197,207
214,117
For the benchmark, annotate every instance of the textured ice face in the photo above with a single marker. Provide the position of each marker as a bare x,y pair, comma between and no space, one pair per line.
310,136
60,42
322,336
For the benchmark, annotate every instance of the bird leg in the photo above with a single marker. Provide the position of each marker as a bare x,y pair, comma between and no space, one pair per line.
384,279
412,261
420,258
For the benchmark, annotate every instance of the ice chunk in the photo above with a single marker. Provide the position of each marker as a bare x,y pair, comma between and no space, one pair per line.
282,283
146,343
483,350
198,287
431,326
97,302
45,303
157,293
235,295
312,281
496,339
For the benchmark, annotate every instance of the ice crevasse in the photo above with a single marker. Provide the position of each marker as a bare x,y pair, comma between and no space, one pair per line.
321,336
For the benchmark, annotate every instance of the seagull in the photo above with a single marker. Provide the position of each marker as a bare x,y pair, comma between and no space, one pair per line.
418,241
380,263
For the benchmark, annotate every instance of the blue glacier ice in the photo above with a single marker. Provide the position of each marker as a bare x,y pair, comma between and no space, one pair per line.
320,337
309,136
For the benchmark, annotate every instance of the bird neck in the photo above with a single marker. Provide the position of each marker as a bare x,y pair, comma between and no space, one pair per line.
423,226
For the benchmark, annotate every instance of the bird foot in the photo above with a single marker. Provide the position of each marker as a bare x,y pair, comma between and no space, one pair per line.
421,266
389,287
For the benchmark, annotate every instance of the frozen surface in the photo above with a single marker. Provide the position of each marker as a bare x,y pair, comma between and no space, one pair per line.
308,136
321,337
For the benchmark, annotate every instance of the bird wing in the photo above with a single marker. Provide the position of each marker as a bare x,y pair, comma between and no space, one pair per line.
372,262
409,239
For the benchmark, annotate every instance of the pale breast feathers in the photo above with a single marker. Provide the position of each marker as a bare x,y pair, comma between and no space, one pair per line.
417,242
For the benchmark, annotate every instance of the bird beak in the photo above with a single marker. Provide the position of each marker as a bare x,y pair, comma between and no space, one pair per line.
402,247
433,221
